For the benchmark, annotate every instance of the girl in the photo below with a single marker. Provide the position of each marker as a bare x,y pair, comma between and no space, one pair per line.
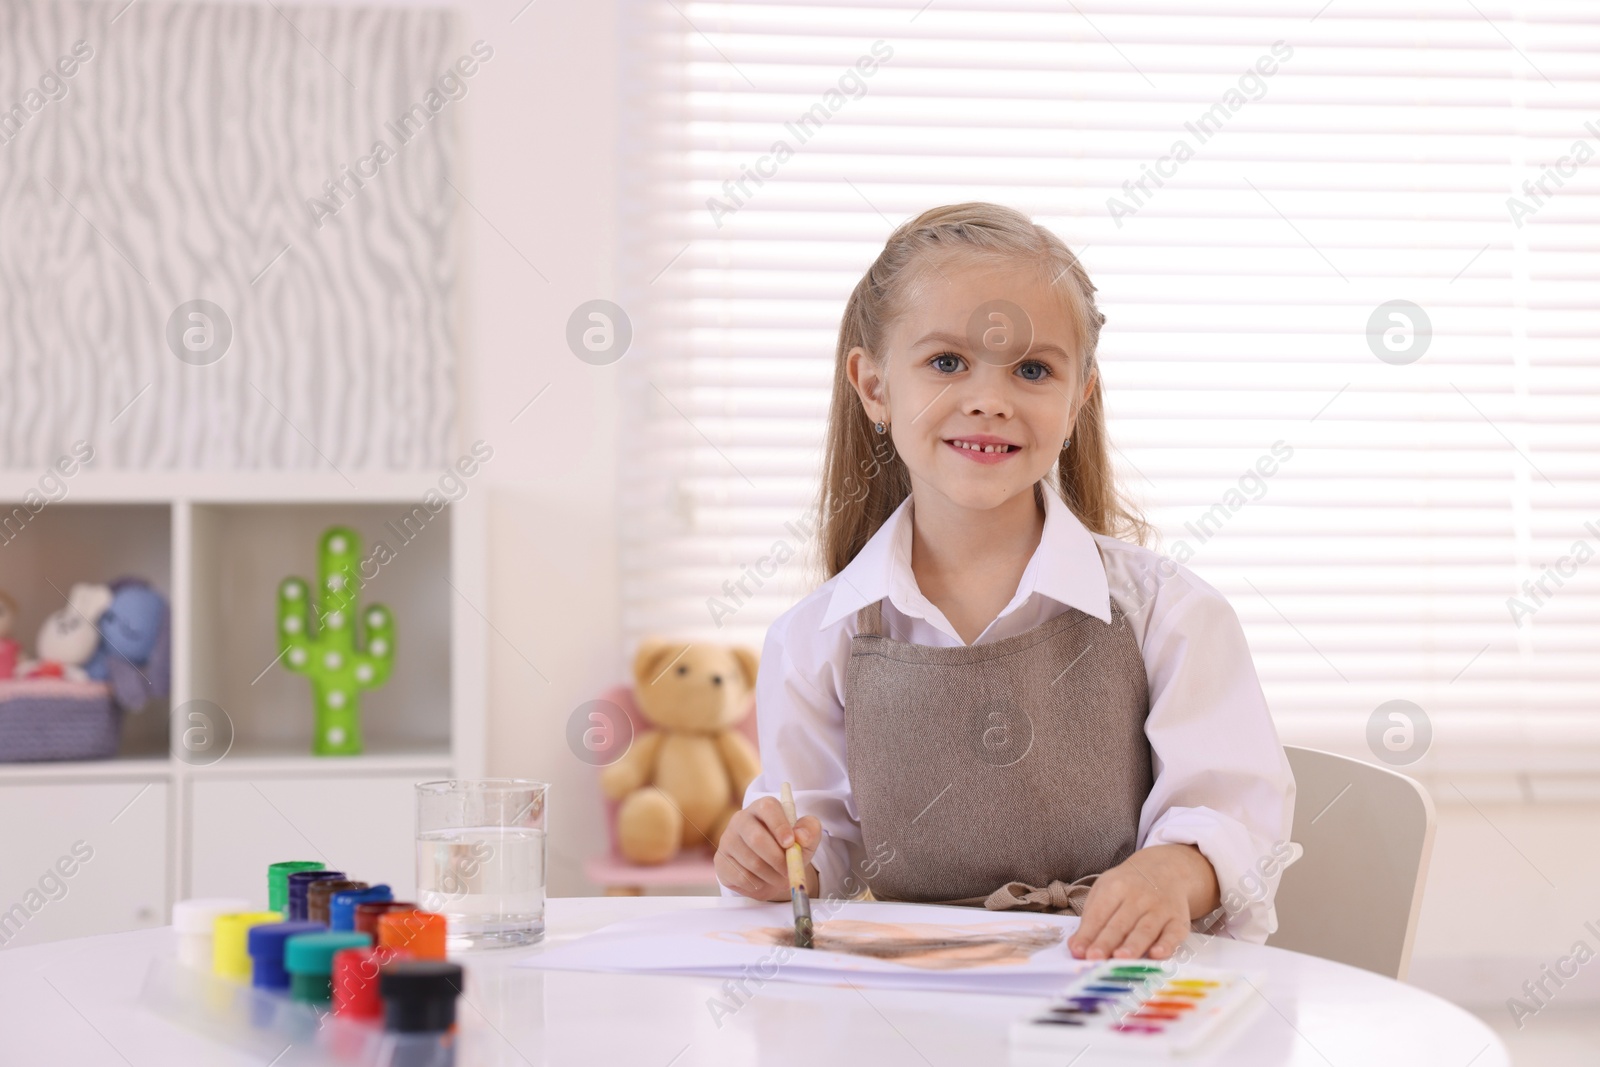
995,699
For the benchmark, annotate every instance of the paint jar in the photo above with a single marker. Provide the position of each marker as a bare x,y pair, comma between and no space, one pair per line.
266,951
299,882
355,980
192,921
230,949
320,892
419,1013
342,906
278,881
368,914
422,932
309,960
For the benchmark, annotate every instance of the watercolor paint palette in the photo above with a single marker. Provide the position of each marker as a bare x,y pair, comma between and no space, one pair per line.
1138,1008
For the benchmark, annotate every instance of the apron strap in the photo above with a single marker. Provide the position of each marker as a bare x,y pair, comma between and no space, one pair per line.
869,620
1058,896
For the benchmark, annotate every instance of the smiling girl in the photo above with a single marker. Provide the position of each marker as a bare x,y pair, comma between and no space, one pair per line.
999,698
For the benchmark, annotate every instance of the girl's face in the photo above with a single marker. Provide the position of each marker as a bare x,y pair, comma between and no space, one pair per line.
979,383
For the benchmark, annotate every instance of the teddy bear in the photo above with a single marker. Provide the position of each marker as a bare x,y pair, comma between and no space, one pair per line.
68,637
685,775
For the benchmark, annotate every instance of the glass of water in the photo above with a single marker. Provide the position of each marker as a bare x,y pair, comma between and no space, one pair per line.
481,859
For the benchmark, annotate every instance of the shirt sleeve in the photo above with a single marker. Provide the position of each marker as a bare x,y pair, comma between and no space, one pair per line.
1222,781
800,733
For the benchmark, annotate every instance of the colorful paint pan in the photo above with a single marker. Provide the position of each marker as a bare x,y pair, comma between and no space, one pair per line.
1170,1005
1143,1008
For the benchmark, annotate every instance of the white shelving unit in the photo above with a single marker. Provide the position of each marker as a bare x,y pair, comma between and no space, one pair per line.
217,545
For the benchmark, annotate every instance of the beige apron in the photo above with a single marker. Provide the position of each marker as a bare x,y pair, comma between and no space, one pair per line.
1008,774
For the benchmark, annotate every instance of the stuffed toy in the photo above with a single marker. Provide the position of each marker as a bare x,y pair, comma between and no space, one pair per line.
135,653
10,649
685,774
68,637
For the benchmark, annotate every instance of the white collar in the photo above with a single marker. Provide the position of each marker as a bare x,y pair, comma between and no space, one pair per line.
1066,567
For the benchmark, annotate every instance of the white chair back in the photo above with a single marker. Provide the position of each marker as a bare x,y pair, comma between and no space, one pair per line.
1355,894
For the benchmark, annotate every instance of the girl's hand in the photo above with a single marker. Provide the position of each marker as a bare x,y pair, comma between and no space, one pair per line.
750,858
1145,904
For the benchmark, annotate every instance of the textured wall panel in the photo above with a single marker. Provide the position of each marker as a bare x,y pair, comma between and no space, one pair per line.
176,164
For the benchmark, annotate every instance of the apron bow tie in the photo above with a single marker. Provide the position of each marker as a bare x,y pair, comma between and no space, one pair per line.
1057,896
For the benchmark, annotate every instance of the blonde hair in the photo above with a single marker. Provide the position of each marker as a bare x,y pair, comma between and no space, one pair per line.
863,479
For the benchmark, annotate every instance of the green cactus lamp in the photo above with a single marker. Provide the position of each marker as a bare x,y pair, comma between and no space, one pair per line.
339,670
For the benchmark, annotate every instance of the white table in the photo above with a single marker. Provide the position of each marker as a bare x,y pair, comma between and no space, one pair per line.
76,1002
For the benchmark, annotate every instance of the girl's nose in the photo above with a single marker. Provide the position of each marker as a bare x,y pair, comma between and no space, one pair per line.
987,391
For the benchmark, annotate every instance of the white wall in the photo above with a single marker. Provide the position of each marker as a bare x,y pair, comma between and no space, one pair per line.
1511,887
540,163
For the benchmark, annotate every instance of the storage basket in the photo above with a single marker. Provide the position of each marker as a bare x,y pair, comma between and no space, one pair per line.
55,719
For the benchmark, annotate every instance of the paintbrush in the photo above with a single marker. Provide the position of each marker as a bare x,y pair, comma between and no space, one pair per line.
797,879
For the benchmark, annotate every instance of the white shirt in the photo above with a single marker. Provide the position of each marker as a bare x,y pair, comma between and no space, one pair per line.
1222,782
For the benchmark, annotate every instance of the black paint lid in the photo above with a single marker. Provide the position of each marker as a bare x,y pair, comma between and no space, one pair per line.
419,996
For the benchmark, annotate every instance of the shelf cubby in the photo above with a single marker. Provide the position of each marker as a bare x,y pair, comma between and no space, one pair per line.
241,552
69,541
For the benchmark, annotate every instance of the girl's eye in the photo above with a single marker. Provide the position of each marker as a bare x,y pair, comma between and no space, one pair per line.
946,362
1034,371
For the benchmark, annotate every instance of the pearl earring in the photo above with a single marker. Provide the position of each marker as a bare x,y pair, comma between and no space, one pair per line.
879,426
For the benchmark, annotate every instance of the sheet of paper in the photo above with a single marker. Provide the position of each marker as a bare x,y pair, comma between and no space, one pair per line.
871,944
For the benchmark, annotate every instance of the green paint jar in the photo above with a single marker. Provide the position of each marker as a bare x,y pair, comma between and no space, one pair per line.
278,882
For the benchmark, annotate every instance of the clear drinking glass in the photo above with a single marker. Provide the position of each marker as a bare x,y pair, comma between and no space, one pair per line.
481,859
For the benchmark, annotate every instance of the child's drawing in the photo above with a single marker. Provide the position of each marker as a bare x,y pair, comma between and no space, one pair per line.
930,946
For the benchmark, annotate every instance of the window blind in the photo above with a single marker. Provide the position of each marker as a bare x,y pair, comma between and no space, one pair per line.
1426,531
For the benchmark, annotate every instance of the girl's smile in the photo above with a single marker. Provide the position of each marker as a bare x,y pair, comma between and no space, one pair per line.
984,448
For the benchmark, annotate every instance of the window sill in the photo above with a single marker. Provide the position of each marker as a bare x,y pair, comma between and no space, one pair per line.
1478,757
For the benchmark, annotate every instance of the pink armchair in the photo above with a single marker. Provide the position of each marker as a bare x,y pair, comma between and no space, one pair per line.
619,877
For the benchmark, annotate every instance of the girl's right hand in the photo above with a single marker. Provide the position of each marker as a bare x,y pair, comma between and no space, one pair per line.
751,859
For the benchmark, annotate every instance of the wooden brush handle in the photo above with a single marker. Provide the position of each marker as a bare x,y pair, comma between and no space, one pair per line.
797,862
